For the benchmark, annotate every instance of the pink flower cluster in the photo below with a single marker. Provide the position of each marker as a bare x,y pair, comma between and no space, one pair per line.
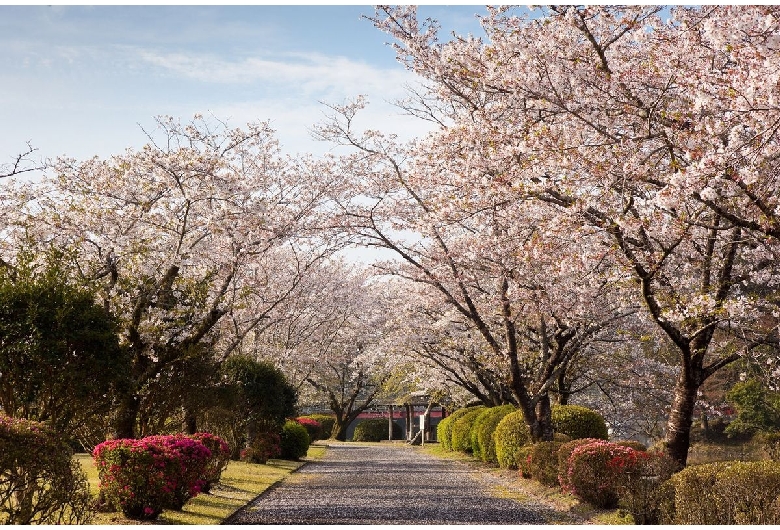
593,470
141,477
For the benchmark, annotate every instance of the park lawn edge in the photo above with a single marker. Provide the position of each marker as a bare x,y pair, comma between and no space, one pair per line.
239,485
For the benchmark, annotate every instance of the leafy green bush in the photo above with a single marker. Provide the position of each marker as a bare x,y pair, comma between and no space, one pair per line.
758,409
40,483
482,443
724,493
326,421
461,429
294,441
510,436
578,422
524,460
444,429
375,430
542,463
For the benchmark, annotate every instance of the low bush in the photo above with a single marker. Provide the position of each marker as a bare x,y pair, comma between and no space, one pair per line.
640,484
770,443
593,471
326,421
510,436
40,483
220,457
461,430
637,446
294,441
542,463
482,443
375,430
578,422
724,493
312,426
524,460
141,477
265,445
444,429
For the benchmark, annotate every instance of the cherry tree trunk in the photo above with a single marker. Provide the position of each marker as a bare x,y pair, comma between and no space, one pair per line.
678,428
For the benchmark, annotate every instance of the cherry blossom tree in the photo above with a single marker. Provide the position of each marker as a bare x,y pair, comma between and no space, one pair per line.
659,135
535,304
178,236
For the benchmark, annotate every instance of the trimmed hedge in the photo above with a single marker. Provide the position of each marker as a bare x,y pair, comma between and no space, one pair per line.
482,443
375,430
542,463
524,461
510,436
40,483
564,452
461,429
578,422
293,441
444,429
723,493
640,484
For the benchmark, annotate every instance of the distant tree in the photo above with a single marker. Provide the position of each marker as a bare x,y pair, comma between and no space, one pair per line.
758,408
60,360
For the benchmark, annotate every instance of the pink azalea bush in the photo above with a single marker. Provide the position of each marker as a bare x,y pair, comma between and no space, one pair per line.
594,470
141,477
220,457
312,426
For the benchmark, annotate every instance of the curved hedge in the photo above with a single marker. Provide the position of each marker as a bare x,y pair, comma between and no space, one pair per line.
542,463
510,436
375,430
564,452
40,483
293,441
312,426
594,469
482,443
444,429
461,429
578,422
724,493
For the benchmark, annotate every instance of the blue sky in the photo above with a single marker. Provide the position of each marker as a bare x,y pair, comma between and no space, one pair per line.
79,81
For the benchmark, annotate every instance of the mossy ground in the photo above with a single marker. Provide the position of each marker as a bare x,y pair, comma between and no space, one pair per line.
240,483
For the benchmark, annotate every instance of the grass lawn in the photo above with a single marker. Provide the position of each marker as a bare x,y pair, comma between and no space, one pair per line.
240,483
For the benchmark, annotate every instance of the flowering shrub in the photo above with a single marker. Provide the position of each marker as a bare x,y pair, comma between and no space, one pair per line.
593,471
564,452
294,441
312,426
141,477
220,457
39,481
326,421
265,445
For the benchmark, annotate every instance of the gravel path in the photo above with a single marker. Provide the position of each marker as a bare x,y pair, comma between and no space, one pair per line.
384,484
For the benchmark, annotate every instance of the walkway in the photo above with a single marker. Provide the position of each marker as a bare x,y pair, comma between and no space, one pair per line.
384,484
